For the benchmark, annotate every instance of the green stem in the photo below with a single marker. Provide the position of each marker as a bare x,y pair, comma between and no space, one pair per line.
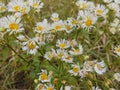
17,54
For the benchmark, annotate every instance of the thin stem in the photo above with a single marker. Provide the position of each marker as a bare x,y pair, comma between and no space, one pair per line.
17,53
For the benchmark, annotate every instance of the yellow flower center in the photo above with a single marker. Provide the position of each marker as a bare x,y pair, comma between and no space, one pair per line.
118,50
91,63
40,87
55,19
39,28
31,45
35,5
44,76
23,10
2,8
60,54
82,6
76,50
62,45
13,26
88,22
99,67
74,22
57,27
68,58
50,55
67,27
53,31
17,7
75,69
99,12
49,88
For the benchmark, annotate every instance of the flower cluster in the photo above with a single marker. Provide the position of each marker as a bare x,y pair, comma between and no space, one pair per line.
70,56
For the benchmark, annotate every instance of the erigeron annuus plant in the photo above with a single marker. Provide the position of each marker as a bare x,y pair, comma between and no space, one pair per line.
76,53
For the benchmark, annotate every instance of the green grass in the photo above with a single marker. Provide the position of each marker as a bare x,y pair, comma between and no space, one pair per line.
16,73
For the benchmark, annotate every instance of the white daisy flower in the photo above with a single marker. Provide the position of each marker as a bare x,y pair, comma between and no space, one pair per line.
88,20
89,65
82,73
57,26
60,53
42,27
75,70
55,17
113,6
100,67
72,22
30,46
85,5
68,28
12,24
62,43
67,58
25,8
117,1
15,5
101,10
50,54
49,87
44,77
117,76
77,51
90,6
117,50
2,7
37,4
81,4
40,87
73,43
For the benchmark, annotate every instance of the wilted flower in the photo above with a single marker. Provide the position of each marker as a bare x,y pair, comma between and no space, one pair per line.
89,65
40,87
100,67
67,58
50,54
77,51
117,76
